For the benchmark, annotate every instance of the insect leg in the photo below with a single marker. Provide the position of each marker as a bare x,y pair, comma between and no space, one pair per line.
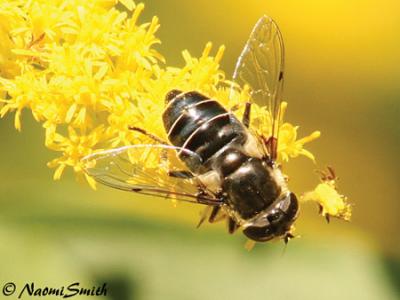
327,216
203,197
216,215
152,136
288,237
181,174
327,175
232,225
204,215
272,145
246,115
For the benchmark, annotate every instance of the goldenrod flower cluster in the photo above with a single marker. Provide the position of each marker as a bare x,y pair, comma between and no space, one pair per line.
87,70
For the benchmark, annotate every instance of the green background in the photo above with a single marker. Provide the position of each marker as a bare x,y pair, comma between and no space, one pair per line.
343,73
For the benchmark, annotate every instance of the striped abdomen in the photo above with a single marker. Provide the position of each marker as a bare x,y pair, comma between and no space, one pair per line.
200,124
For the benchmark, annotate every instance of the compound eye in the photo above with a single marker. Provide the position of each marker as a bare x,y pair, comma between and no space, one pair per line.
259,234
289,206
292,209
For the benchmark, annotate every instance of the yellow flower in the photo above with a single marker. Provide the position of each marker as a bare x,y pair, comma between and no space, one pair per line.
74,147
328,198
89,69
288,144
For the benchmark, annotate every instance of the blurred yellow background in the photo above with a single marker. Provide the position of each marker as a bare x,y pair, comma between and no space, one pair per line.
342,77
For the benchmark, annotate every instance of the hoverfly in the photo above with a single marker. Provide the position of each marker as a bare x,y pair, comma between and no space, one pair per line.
224,165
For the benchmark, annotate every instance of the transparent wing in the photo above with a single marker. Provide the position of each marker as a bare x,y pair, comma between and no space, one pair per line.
150,169
261,67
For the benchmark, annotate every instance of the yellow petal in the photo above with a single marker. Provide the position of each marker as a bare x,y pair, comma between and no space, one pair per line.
17,120
129,4
58,172
219,54
136,13
91,182
4,110
101,72
70,113
310,138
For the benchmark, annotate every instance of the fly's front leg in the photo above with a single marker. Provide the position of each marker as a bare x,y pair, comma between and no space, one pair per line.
216,215
232,225
204,215
246,115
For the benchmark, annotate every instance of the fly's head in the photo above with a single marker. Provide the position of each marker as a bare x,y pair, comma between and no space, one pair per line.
276,222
